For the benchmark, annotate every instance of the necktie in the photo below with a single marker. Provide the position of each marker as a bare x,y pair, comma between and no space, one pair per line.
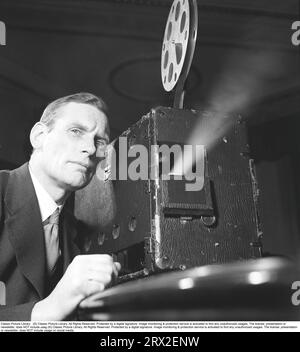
52,240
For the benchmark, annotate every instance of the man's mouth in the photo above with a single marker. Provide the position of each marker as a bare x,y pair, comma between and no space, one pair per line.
84,165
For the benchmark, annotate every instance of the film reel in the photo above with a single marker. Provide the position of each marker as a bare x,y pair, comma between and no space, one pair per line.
179,45
175,43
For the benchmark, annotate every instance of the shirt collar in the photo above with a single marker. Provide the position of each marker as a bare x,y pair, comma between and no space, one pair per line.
46,203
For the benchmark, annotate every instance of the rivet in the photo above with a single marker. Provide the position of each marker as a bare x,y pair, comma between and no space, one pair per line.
116,231
101,239
132,224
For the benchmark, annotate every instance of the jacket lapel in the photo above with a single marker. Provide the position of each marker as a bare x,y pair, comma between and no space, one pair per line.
25,227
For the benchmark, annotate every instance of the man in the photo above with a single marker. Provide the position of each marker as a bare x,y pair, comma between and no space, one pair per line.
44,276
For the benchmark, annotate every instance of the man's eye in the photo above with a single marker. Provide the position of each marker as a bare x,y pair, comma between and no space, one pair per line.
101,143
76,131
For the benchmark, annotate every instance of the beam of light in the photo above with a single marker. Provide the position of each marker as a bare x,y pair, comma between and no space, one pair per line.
245,77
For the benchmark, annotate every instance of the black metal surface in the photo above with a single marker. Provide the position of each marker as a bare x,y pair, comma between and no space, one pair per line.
189,243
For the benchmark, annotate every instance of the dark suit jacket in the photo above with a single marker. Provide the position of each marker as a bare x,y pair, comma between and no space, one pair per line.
22,247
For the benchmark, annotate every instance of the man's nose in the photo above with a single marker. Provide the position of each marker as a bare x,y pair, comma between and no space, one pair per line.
89,147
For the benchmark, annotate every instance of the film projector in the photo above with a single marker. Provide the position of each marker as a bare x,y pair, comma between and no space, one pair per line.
197,217
203,211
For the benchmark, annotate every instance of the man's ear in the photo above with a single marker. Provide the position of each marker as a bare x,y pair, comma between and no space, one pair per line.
37,135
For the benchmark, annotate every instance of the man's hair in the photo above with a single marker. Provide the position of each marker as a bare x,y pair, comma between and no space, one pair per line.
50,113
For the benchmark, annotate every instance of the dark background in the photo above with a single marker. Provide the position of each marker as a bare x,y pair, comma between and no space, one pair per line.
244,62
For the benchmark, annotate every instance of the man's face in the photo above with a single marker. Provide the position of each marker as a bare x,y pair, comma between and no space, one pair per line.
68,156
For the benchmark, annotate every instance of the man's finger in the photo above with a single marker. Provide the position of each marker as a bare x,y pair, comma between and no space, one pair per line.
104,278
93,287
102,268
118,266
100,258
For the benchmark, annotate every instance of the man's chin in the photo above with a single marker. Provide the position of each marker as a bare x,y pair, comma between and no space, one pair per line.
78,183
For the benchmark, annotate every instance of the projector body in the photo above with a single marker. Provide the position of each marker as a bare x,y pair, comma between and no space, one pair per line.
155,225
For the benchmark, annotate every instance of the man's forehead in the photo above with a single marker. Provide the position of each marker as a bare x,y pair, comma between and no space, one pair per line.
82,114
79,109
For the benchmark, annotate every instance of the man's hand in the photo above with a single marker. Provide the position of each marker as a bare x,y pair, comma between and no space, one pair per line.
86,275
